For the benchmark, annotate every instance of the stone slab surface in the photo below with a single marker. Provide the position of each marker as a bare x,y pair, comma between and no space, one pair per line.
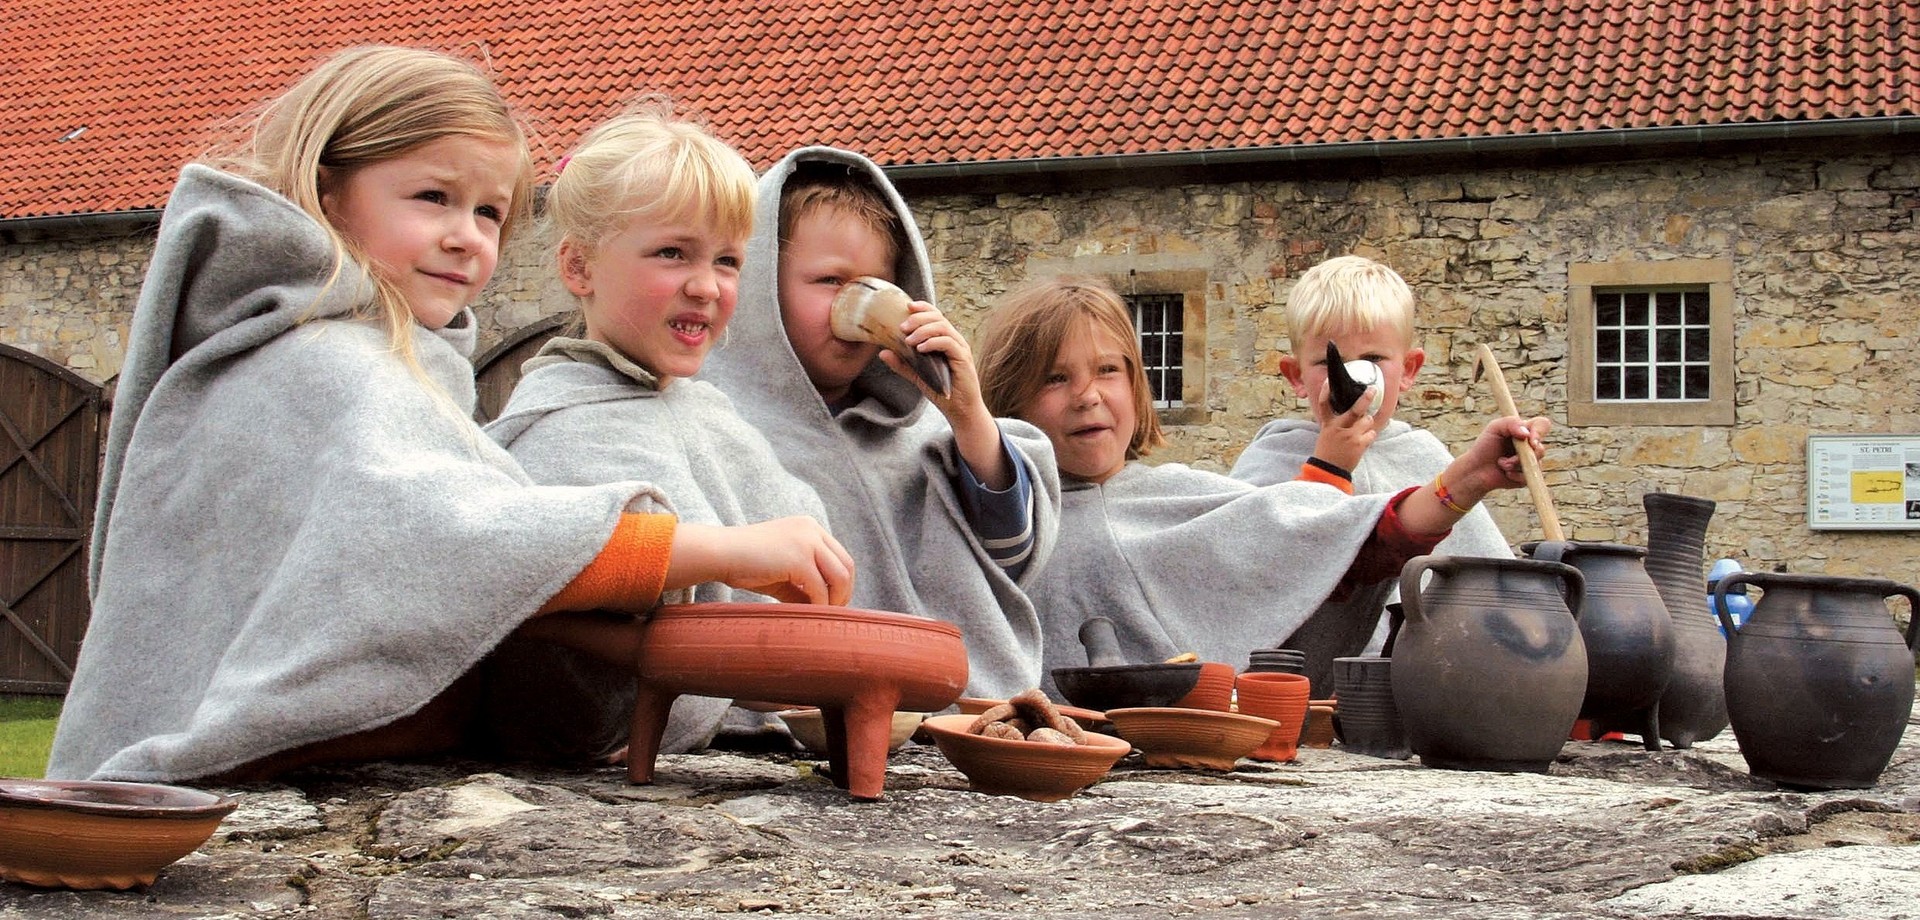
1611,831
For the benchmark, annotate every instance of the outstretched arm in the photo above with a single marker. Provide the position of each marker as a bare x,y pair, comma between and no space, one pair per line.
1489,463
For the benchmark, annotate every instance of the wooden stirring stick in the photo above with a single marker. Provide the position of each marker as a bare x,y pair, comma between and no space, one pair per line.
1484,364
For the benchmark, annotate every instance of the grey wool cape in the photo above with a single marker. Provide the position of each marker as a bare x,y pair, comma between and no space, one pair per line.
1183,560
297,538
583,414
1400,457
885,467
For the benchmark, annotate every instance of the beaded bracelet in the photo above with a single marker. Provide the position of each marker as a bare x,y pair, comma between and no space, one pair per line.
1446,497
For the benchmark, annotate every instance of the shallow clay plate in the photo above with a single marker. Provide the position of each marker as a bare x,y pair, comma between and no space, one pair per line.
1199,738
64,834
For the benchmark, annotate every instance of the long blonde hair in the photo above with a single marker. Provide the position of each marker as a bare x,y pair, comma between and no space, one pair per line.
1022,337
364,106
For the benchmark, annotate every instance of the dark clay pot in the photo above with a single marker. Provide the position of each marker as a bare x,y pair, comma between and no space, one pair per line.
1367,722
1489,670
1627,632
1694,706
1819,680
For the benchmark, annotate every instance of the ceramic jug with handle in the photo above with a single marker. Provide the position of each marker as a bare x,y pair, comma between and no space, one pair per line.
1819,680
1489,669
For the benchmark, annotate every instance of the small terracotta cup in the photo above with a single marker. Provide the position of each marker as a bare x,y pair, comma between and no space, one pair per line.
1317,732
1282,698
1214,689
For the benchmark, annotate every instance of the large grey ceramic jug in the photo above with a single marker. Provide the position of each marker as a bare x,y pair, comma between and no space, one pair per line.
1819,681
1489,670
1628,635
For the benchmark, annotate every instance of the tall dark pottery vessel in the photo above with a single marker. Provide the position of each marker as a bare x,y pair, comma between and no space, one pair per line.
1694,706
1628,635
1489,670
1819,681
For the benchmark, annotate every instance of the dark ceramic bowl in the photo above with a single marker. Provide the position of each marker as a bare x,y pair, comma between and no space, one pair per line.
59,834
1126,685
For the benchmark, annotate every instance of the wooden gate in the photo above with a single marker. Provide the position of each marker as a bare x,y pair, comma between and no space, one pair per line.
498,370
49,472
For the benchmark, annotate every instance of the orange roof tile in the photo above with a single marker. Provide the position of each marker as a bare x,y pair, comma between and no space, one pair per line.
100,103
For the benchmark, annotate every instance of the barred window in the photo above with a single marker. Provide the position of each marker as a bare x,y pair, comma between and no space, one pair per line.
1652,345
1161,320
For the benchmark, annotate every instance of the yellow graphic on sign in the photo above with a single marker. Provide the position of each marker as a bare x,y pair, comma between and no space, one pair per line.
1877,487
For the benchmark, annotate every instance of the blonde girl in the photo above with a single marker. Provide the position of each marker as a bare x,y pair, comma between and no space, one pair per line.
301,545
1182,559
651,215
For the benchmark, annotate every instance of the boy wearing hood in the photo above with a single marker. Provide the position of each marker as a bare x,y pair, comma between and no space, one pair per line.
946,510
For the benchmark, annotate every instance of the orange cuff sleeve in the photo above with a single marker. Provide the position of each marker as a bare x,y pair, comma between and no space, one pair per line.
1312,473
630,571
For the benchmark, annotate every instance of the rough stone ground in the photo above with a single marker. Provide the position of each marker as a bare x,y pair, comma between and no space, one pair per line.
1611,831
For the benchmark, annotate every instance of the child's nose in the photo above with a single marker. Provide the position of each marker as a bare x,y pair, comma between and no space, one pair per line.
1089,395
704,284
467,236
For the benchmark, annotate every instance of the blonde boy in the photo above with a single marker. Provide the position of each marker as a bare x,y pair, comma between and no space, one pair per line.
1366,310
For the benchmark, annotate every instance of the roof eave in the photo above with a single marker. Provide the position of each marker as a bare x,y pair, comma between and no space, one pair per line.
19,229
1615,138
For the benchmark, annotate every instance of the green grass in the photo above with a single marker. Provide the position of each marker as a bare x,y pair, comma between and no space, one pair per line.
26,734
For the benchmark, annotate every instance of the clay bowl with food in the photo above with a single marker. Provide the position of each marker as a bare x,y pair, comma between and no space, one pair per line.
1091,720
89,834
1041,771
1191,738
809,728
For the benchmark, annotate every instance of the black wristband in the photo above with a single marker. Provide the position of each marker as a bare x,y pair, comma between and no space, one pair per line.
1326,467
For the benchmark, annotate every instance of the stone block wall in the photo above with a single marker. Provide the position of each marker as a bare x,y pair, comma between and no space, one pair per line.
1823,245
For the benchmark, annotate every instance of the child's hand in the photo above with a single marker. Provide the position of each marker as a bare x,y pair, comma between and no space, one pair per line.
975,435
1491,463
928,331
791,559
1344,437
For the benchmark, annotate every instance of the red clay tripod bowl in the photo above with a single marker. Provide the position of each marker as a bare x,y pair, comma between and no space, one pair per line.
858,666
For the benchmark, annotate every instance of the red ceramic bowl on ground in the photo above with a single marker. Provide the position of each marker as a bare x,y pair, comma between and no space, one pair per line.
1036,770
1199,738
59,834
